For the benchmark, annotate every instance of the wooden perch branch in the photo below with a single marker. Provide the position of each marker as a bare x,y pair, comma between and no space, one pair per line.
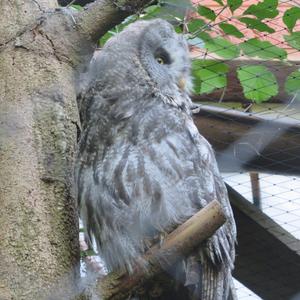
177,244
101,15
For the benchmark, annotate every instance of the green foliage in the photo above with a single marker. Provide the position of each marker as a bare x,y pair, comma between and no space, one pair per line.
219,2
206,12
234,4
259,84
106,37
173,10
209,75
256,24
292,84
290,17
178,29
76,7
201,40
176,5
293,39
116,29
151,12
196,42
205,37
263,10
223,48
196,24
262,49
231,30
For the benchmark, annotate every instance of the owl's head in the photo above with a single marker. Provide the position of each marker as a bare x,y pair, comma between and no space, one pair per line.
158,49
146,58
165,56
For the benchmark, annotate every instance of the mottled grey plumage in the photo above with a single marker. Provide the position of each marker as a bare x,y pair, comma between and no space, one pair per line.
141,166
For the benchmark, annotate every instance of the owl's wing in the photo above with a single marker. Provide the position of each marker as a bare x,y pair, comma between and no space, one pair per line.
218,254
174,173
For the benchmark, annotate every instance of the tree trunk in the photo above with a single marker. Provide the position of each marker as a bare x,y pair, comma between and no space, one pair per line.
41,49
38,223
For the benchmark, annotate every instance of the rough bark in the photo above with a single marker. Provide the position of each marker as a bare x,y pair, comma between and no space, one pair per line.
38,222
99,16
40,51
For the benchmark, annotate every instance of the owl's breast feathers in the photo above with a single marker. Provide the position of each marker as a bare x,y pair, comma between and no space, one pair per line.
141,175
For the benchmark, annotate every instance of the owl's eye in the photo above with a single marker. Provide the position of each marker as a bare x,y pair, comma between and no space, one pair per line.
162,56
160,60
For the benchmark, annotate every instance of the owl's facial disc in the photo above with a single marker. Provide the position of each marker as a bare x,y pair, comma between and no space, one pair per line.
165,57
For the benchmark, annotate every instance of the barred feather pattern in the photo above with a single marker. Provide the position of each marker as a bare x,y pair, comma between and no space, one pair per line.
141,165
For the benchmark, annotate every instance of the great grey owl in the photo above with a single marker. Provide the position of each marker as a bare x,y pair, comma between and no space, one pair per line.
142,167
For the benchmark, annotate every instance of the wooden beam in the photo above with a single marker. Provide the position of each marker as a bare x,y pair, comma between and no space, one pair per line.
268,257
247,142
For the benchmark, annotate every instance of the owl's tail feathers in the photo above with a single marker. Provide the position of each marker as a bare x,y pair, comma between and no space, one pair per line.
206,282
232,293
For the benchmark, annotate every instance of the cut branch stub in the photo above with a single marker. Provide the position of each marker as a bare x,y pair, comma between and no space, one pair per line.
179,243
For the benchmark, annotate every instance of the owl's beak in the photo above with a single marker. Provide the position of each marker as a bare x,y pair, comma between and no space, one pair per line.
181,83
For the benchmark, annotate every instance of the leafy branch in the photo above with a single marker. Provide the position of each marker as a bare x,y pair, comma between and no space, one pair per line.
221,38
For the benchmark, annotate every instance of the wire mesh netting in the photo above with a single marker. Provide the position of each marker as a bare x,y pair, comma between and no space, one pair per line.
254,125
